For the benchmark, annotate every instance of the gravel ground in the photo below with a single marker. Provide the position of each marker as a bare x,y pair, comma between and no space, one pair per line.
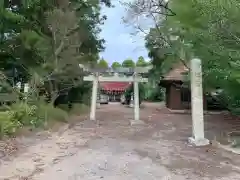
112,150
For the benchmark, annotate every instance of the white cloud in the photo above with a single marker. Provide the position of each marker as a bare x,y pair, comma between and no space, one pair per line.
120,43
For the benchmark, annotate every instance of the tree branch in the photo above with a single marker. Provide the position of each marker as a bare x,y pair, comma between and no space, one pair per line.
59,49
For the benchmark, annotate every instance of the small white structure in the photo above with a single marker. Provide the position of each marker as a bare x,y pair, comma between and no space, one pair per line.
18,85
26,88
197,138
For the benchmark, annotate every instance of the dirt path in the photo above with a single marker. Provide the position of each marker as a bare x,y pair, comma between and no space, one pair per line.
113,150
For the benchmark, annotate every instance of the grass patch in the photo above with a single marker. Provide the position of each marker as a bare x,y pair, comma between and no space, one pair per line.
78,109
22,117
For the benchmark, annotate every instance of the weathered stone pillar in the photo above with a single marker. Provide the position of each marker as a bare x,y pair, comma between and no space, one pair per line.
136,102
197,138
136,99
94,98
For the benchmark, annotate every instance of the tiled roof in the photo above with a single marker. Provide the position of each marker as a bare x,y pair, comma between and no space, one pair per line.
177,73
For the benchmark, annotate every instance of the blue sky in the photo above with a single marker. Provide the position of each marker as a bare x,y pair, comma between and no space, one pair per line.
120,44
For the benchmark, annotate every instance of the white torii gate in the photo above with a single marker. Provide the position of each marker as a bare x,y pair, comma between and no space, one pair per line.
135,79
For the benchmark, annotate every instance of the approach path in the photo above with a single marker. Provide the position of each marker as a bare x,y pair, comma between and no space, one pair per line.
113,150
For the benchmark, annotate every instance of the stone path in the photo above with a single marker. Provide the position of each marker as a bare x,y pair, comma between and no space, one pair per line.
112,150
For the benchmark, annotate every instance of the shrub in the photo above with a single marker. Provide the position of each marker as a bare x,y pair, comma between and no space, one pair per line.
64,107
8,125
47,112
35,114
156,95
22,114
78,109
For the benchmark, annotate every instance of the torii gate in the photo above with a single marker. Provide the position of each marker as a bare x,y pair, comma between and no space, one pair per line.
135,78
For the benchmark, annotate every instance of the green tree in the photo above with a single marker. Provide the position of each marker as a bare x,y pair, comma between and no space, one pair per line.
44,51
116,65
141,62
42,43
129,92
128,63
205,29
102,63
210,30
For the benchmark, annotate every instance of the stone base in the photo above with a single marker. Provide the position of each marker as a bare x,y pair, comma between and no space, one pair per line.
198,142
131,105
137,122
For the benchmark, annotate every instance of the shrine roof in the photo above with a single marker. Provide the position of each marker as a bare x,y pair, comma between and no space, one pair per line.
176,73
114,86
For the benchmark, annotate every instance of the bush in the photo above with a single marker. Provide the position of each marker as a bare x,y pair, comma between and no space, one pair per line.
47,112
130,91
22,114
78,108
36,115
8,125
64,107
156,95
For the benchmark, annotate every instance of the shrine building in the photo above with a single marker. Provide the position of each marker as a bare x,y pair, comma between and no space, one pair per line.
114,90
178,94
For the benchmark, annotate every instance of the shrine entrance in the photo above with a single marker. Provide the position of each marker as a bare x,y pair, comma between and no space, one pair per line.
114,90
129,75
114,97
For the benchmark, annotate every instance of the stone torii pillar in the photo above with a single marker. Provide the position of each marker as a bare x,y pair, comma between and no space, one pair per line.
136,100
197,138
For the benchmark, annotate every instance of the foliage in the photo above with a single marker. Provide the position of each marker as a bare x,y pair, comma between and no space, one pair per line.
78,109
210,31
116,65
102,63
205,29
128,63
141,62
21,114
8,126
129,92
156,94
42,43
